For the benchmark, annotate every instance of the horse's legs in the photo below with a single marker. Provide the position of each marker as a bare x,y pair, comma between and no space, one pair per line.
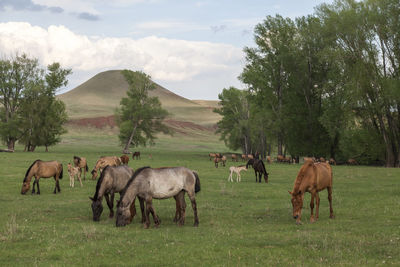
330,203
194,207
230,177
132,209
177,209
110,204
141,202
255,173
33,187
180,198
149,208
312,219
317,206
79,177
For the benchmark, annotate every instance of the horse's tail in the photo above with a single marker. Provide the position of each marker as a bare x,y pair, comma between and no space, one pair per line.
61,173
197,183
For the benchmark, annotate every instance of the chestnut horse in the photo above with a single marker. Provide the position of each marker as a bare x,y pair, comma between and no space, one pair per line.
312,178
124,159
42,169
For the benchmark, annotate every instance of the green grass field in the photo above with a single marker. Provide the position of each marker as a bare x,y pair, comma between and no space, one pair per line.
241,224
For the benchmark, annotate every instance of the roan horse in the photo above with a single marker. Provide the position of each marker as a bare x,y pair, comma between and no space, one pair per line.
80,162
42,169
259,167
161,183
312,178
113,179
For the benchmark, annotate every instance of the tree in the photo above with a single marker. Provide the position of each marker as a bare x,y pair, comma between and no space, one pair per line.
139,117
30,112
234,125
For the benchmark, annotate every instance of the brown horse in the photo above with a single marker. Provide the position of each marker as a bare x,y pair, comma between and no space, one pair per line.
103,162
136,154
219,160
42,169
124,159
312,178
80,162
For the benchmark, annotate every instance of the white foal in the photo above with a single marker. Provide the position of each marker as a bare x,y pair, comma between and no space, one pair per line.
72,171
237,170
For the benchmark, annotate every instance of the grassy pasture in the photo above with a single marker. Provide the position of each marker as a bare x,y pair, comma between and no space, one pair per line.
243,224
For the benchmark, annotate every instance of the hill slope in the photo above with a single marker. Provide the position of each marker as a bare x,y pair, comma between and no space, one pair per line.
100,95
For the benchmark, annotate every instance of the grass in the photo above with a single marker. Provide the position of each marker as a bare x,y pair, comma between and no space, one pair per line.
241,224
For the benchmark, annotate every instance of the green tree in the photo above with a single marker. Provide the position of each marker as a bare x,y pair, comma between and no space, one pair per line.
140,117
234,125
30,112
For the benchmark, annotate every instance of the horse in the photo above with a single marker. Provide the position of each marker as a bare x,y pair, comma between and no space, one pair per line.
161,183
237,170
312,178
136,154
113,179
124,159
73,171
259,167
234,157
352,162
103,162
332,161
269,160
218,160
42,169
211,155
80,162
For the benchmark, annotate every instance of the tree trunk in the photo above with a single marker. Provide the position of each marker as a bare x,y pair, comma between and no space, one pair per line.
280,144
11,144
128,143
47,149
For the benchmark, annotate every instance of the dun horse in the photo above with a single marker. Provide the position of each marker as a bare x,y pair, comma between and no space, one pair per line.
162,183
103,162
80,162
312,178
259,168
42,169
113,179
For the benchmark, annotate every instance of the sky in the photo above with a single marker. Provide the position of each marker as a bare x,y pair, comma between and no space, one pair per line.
192,48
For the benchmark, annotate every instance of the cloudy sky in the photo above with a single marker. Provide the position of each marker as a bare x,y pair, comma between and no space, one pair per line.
193,48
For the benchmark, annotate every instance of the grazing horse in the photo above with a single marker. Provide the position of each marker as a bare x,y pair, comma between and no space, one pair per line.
211,155
42,169
161,183
259,167
352,162
103,162
237,170
332,161
136,154
73,171
269,160
124,159
312,178
113,179
234,157
219,160
80,162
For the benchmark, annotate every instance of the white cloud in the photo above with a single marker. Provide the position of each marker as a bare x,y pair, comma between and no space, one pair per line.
164,59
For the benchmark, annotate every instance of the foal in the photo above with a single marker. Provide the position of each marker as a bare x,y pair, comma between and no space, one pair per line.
237,170
73,171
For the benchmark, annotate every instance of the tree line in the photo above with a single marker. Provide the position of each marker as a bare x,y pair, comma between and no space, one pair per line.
326,84
29,111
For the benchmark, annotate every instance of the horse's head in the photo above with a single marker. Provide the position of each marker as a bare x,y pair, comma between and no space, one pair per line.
266,177
297,204
97,209
123,215
25,187
94,174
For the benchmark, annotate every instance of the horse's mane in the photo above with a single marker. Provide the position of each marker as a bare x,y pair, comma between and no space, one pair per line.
301,175
135,174
250,162
99,182
27,172
262,164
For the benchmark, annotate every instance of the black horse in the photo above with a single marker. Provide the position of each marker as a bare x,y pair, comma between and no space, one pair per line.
259,167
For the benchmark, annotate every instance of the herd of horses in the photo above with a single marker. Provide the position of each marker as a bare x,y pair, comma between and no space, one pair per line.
148,183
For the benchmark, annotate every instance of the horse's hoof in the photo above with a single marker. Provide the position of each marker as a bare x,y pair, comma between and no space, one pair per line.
196,224
299,223
332,216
